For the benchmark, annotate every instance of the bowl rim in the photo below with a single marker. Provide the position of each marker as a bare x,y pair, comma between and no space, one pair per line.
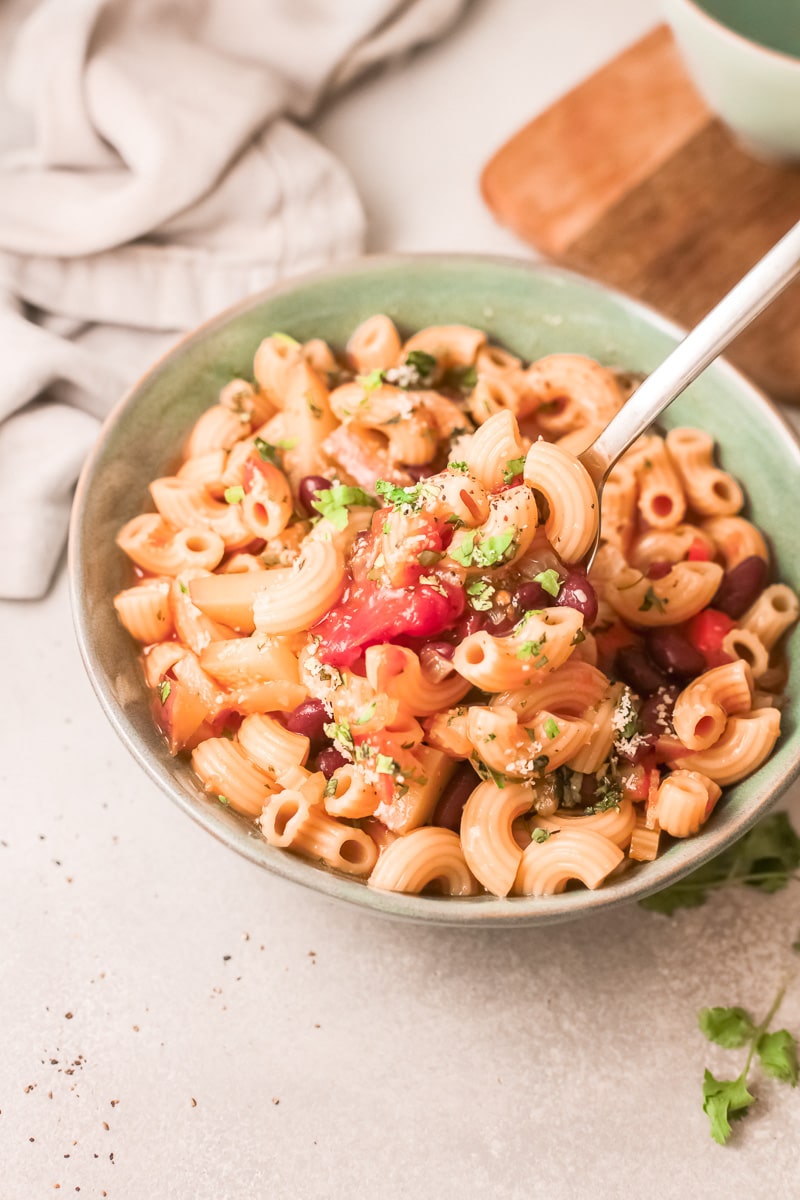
436,910
736,38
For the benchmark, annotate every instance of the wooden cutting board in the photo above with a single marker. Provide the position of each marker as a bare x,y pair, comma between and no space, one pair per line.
629,178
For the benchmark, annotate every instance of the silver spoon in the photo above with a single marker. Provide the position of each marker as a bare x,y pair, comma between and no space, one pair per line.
735,311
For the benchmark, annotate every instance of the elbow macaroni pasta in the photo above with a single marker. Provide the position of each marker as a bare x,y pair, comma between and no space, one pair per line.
363,614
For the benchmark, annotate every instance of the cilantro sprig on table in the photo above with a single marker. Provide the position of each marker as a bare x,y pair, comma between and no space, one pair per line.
730,1099
767,858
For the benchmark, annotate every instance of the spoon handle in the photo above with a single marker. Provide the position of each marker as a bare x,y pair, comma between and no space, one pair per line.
735,311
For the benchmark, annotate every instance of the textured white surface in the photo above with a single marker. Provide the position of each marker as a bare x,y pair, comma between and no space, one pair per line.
406,1061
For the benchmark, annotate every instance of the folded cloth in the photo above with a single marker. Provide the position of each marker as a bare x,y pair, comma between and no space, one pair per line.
156,174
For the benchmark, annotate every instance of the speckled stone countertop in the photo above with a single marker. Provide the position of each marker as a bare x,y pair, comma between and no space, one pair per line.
178,1024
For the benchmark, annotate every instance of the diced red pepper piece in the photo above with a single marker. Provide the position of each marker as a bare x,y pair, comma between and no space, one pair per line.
706,632
698,551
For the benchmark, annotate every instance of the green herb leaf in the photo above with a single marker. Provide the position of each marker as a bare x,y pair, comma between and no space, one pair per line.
541,762
528,649
367,713
513,468
580,636
331,787
385,765
651,600
778,1054
371,381
164,690
458,466
268,452
766,858
729,1027
551,728
480,593
486,772
340,732
234,495
333,503
183,587
463,552
429,558
494,549
723,1099
424,364
224,801
406,499
541,835
548,581
285,337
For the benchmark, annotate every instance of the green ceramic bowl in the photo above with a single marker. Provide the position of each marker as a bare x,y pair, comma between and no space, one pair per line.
533,310
744,56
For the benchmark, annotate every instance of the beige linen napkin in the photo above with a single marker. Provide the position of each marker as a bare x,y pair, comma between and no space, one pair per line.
154,173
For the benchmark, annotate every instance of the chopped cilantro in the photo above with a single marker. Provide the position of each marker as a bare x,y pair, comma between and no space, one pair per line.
580,636
494,549
458,466
183,587
465,549
164,690
367,713
340,732
548,581
371,381
269,451
223,801
513,468
424,364
333,503
234,495
313,408
429,558
651,600
480,593
385,765
331,787
528,649
407,499
551,728
542,662
433,581
541,835
285,337
487,773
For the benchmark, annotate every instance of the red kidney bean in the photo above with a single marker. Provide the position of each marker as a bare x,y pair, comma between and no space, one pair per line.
330,760
657,570
672,651
633,666
741,586
307,492
473,622
655,714
499,623
309,718
447,814
577,592
436,659
531,595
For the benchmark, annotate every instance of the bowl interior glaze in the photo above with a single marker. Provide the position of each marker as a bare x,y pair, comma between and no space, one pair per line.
532,310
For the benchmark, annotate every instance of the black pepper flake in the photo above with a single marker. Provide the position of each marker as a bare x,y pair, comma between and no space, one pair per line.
194,1102
226,958
69,1015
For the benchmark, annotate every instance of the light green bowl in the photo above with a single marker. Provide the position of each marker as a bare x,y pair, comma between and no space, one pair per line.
744,56
533,310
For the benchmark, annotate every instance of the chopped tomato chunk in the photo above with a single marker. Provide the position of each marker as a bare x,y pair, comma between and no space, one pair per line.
368,615
707,631
698,551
